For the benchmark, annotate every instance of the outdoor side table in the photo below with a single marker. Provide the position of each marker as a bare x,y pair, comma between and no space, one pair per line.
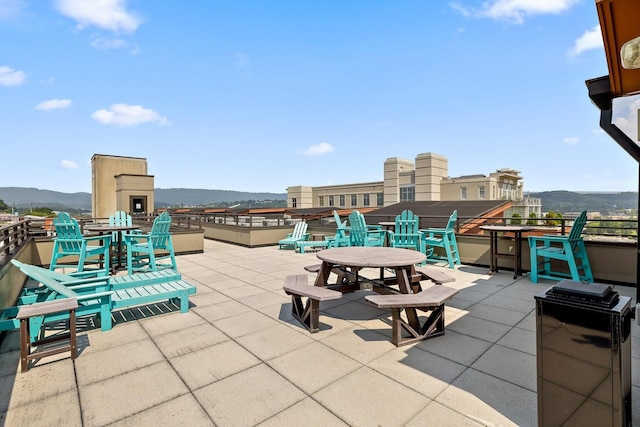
42,309
517,230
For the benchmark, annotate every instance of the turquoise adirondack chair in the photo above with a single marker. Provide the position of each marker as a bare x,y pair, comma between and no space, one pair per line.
101,296
299,233
361,234
150,251
407,233
119,218
568,249
92,252
341,237
443,238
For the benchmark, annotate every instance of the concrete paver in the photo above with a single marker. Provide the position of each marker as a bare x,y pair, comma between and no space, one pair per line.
238,357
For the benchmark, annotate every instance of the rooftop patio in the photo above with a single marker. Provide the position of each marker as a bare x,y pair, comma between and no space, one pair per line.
239,358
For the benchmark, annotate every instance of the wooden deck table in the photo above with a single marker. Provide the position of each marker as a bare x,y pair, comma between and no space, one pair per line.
402,261
517,230
120,229
388,225
351,259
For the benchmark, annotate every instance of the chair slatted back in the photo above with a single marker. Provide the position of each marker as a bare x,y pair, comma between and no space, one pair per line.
160,235
339,223
299,230
451,224
407,231
69,235
358,232
578,226
120,218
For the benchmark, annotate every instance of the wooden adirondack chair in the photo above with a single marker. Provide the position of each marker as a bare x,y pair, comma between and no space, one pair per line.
92,258
341,237
299,233
568,249
443,238
148,252
407,233
361,234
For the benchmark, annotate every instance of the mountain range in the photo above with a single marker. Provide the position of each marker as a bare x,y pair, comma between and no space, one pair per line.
561,201
25,198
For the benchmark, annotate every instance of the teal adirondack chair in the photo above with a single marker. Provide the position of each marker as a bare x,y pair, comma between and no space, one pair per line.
103,295
150,251
407,233
341,237
443,238
119,218
92,252
569,249
299,233
361,234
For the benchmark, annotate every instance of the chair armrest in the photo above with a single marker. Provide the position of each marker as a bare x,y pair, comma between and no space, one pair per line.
548,239
95,295
106,237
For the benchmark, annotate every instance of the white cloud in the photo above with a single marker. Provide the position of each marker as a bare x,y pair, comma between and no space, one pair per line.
68,164
591,39
318,150
572,140
11,77
128,115
53,104
515,10
102,43
111,15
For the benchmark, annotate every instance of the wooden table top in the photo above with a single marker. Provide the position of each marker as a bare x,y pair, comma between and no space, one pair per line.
107,227
364,256
507,227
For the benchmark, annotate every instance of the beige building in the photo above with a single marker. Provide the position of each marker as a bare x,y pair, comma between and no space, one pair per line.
425,179
120,183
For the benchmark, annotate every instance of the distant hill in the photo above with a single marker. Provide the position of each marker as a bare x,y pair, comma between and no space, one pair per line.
568,201
25,198
561,201
194,197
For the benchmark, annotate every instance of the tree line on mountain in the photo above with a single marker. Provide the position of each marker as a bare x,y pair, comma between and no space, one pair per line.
26,199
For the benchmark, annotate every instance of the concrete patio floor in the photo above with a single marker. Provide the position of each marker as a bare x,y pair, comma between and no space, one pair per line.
238,358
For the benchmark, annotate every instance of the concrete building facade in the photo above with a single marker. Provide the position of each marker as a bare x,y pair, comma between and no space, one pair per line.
425,179
120,183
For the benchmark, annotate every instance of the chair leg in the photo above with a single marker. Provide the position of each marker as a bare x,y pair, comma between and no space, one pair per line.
534,264
587,274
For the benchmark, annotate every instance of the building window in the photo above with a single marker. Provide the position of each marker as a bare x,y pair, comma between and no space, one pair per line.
481,192
321,201
342,200
365,200
380,199
354,200
331,202
463,193
294,202
407,194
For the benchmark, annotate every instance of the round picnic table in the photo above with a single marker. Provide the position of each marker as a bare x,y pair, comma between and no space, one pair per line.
351,259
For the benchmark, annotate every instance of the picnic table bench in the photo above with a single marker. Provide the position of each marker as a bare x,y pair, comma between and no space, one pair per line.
431,299
297,285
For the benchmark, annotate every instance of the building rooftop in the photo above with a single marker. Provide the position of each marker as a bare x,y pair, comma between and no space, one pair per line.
238,358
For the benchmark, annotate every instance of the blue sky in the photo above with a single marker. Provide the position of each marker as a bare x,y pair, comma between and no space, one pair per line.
261,95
